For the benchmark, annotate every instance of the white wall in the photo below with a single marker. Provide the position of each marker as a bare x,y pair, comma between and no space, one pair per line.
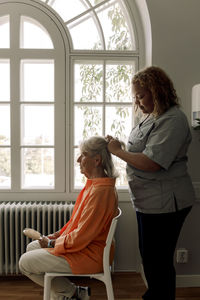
176,49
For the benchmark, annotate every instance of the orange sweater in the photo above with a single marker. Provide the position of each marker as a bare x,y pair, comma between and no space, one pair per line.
82,239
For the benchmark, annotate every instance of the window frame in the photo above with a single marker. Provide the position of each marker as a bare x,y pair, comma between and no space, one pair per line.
104,104
16,54
140,24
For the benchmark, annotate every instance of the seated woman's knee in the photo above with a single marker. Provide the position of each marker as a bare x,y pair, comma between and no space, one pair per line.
24,263
32,246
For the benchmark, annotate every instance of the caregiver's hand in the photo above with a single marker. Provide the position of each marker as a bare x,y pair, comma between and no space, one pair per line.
114,145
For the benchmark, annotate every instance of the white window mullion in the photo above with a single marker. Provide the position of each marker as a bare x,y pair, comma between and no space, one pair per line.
14,30
104,99
15,125
60,123
15,104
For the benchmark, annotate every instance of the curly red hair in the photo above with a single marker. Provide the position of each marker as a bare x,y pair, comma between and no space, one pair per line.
161,87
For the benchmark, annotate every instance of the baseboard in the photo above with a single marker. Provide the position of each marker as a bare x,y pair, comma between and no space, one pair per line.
188,280
181,280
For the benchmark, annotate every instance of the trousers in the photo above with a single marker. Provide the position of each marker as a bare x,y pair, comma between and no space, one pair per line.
36,261
158,235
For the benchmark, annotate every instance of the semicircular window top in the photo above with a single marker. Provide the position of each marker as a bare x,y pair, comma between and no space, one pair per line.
97,24
34,35
4,32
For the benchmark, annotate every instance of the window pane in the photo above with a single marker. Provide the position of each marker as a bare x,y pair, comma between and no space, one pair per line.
68,9
37,79
4,32
4,124
5,80
38,168
115,27
89,121
84,34
88,82
5,179
34,35
95,2
119,122
37,125
120,166
118,82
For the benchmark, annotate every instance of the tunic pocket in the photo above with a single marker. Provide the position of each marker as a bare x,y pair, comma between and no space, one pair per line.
138,138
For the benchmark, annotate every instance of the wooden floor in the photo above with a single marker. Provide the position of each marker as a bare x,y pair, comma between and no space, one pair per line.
127,286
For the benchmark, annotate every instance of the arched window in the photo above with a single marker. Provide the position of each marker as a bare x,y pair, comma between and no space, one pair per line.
65,71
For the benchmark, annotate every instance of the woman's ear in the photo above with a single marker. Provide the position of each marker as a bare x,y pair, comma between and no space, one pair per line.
98,160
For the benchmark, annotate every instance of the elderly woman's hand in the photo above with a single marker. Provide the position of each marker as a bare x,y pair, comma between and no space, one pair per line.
54,236
43,241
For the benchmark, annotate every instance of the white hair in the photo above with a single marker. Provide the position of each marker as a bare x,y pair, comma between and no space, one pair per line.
98,145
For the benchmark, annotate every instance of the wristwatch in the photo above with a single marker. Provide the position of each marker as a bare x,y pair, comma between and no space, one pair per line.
50,244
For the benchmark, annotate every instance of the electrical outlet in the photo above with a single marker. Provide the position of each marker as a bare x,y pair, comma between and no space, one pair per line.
182,256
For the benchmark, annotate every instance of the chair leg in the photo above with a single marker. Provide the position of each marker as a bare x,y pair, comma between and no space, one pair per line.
109,289
47,287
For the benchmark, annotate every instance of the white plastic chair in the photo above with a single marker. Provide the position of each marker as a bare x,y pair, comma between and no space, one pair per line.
105,276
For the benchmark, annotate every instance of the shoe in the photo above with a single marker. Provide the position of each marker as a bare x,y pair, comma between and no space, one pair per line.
83,293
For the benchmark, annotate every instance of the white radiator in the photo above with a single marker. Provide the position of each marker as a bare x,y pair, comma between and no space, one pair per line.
46,217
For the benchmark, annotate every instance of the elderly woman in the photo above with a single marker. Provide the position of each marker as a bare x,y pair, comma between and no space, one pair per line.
160,187
78,246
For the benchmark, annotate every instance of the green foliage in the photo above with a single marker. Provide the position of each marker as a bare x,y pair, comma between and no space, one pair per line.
117,82
97,2
118,126
117,88
120,40
3,140
4,162
38,161
91,78
92,121
4,158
